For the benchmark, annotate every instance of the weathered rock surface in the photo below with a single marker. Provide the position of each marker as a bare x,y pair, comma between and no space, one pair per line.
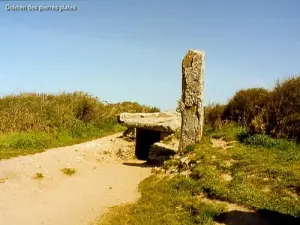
160,152
129,134
162,121
192,99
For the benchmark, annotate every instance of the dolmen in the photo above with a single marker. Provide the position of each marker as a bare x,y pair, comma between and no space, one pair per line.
150,129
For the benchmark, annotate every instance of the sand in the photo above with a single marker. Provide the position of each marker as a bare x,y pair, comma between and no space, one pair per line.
101,180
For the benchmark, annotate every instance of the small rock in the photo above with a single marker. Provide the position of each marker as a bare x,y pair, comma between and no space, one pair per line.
186,173
177,156
78,159
184,159
110,187
174,170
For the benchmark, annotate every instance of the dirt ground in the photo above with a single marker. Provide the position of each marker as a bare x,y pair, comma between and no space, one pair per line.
102,180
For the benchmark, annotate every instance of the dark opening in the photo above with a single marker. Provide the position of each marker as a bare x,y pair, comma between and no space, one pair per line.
144,140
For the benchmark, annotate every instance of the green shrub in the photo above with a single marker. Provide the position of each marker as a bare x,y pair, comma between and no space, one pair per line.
38,176
213,115
258,123
245,105
68,171
269,142
34,122
283,118
291,126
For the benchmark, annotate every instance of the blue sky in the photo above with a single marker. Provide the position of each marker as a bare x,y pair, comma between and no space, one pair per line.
132,50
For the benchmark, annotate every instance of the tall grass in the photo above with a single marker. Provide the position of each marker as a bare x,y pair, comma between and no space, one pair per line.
31,122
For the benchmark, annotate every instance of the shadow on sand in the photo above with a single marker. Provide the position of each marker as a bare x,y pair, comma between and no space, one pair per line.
260,217
142,164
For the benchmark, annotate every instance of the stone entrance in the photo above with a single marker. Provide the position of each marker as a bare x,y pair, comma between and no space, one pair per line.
150,128
144,140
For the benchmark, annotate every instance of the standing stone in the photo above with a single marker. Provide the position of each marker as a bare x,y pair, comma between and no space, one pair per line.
192,99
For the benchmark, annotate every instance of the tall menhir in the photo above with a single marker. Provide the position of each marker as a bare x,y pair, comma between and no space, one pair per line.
192,99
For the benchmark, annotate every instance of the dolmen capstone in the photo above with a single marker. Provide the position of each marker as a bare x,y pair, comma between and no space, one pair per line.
150,128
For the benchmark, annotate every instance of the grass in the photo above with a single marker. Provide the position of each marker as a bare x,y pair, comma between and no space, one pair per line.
263,176
289,150
25,143
265,172
229,132
68,171
164,201
31,123
38,176
106,152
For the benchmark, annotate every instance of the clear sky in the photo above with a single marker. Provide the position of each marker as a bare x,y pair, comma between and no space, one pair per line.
132,49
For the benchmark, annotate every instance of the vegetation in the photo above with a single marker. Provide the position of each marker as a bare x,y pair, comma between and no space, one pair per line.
213,115
68,171
164,201
30,123
258,172
274,112
283,110
265,172
38,176
245,105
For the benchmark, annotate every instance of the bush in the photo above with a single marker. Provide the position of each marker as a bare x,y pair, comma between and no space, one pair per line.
245,105
283,117
66,111
32,122
213,115
268,142
291,126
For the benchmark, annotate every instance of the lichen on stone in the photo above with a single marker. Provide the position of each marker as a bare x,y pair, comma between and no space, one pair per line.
192,110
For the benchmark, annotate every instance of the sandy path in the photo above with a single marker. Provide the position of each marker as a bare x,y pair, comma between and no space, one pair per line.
101,181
